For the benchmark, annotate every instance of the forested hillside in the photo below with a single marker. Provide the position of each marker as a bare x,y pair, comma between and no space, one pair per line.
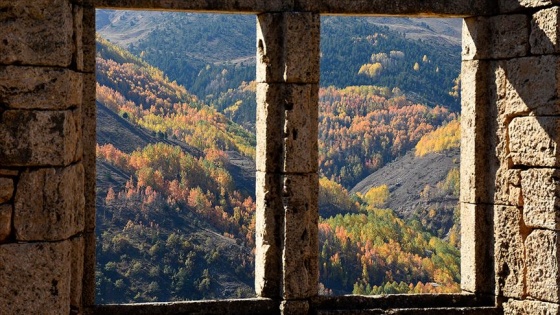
176,144
173,223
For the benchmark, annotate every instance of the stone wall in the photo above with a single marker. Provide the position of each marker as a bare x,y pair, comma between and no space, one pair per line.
510,178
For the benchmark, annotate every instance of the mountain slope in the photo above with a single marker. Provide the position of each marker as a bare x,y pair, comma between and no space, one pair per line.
214,53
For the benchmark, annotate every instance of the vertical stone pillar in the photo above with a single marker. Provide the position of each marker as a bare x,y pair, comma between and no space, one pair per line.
42,76
492,253
287,157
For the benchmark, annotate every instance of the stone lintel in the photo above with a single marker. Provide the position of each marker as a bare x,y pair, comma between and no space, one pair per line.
441,8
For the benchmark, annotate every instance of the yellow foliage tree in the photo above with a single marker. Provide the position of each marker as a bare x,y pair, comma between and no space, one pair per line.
443,138
377,196
371,69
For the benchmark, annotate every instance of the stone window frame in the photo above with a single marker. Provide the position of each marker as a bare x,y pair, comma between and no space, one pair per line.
287,182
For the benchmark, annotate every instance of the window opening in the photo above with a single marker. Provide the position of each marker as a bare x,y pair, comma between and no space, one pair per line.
175,156
389,156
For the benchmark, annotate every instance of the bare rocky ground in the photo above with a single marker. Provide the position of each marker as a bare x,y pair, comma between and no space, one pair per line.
407,176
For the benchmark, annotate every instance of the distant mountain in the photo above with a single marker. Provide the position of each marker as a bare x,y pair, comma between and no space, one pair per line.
211,54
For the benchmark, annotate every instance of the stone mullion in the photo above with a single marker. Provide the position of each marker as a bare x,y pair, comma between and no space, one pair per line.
287,180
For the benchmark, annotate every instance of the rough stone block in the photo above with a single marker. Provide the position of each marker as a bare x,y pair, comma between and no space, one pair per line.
301,129
527,307
476,121
542,265
506,6
529,85
87,40
36,32
89,118
77,273
40,138
534,141
502,36
545,31
476,248
509,252
300,254
40,88
49,204
270,128
6,211
269,229
288,47
6,189
294,307
541,194
301,44
35,278
88,284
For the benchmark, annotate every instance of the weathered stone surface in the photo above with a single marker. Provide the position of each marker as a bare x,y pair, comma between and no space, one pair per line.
270,127
25,27
294,307
509,252
476,147
5,221
519,80
6,189
35,278
8,172
39,138
534,141
502,36
287,122
476,249
87,40
506,6
541,194
89,118
301,129
77,273
300,254
527,307
49,204
288,47
269,230
301,47
375,7
545,31
88,284
41,88
542,265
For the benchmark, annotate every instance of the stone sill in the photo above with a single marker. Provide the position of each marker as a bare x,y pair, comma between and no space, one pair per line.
324,305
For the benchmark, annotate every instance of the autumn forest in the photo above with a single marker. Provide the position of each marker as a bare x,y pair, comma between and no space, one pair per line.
175,168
